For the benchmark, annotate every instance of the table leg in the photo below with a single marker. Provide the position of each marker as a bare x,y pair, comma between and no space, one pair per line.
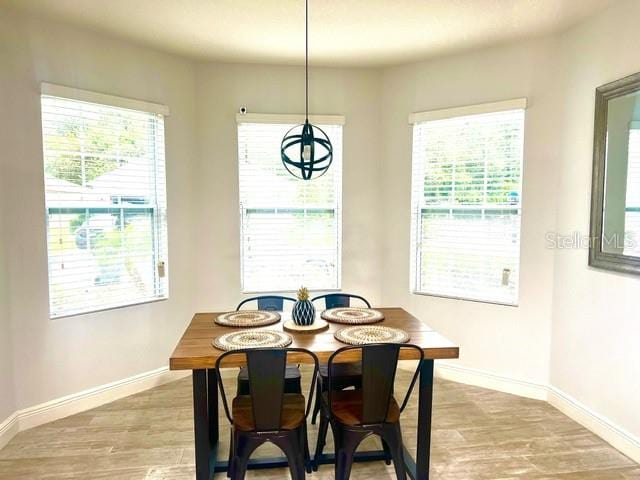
425,404
212,394
205,418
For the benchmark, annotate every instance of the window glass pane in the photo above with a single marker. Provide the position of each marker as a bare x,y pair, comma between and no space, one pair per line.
105,181
448,261
632,204
290,227
466,204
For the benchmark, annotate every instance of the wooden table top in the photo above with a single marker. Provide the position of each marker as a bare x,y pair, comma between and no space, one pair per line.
195,351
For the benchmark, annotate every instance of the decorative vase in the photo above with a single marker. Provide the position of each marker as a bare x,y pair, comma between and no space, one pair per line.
303,313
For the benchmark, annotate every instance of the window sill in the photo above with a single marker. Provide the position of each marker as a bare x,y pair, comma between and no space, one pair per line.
106,309
268,292
475,300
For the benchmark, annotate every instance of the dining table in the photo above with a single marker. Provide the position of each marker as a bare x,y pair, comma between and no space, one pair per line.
195,352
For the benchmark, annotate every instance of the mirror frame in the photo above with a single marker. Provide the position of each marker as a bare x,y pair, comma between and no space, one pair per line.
598,258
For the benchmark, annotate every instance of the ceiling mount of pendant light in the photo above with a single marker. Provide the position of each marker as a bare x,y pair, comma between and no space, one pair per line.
306,150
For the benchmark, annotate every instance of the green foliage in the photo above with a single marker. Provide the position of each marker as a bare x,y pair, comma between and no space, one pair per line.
69,168
467,160
92,144
77,221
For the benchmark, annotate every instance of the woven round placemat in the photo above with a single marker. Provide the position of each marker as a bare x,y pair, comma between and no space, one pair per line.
252,339
352,315
363,334
248,318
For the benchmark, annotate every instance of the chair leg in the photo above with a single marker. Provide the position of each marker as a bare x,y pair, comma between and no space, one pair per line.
244,445
293,448
242,387
322,439
318,402
348,443
305,441
298,386
387,452
293,385
336,430
231,448
392,435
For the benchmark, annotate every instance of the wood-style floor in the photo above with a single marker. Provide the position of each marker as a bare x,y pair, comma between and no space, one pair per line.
477,434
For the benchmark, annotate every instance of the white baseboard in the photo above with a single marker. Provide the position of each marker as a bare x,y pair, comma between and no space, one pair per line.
83,401
8,428
478,378
611,433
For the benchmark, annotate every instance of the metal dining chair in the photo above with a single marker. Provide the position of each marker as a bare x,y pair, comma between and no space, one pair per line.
292,375
346,375
357,414
268,413
268,302
335,300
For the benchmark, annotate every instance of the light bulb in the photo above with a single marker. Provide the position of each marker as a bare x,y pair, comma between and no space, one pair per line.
306,153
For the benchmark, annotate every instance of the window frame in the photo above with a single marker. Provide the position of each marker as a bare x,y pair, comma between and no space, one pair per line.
418,210
157,211
291,119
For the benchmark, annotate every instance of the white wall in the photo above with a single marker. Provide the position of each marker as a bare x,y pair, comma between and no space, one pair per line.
596,327
508,341
53,358
222,89
7,386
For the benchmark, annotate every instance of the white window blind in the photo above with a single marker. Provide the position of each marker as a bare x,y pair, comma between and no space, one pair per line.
466,194
106,206
632,204
290,228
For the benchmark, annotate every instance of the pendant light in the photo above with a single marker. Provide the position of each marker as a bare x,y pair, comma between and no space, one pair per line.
306,150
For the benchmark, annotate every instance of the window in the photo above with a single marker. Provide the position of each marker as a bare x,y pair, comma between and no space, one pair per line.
290,228
466,202
105,199
632,204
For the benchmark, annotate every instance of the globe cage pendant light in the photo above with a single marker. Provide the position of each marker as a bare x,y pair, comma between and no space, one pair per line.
306,150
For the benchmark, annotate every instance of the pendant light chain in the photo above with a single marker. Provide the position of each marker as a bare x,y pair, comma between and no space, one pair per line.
306,150
306,59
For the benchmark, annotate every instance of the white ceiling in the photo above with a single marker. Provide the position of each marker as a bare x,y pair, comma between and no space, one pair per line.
342,32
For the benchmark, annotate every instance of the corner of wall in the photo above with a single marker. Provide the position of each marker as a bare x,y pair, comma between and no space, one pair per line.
7,377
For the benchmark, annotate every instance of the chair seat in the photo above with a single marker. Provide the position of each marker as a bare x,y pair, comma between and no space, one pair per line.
292,416
292,372
342,370
347,407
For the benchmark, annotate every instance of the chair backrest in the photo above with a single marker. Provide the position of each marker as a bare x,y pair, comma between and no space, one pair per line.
268,302
336,300
266,369
379,365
